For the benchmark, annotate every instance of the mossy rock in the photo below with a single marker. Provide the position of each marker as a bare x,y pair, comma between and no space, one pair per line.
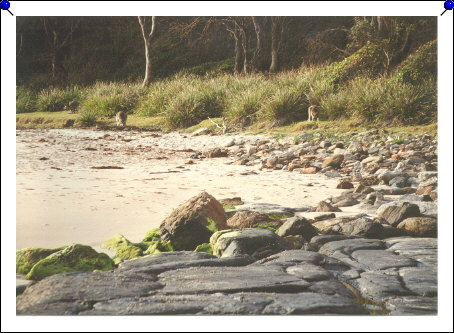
158,247
127,252
143,245
205,247
27,258
116,242
75,258
152,235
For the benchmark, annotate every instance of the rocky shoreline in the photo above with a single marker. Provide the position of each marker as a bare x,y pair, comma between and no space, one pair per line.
263,258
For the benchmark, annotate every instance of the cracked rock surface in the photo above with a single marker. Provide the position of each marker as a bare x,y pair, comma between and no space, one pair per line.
347,276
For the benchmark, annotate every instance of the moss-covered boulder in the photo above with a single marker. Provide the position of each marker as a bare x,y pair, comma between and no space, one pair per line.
152,235
206,248
74,258
27,258
159,246
193,222
116,242
125,250
127,253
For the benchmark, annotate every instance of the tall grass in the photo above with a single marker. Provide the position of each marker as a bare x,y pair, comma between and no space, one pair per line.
350,89
55,99
193,105
25,100
106,99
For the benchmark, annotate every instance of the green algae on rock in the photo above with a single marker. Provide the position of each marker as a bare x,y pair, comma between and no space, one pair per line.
74,258
152,235
125,250
27,258
159,246
116,242
205,247
126,253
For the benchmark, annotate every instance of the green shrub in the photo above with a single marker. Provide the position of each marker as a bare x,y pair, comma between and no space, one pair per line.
106,99
193,105
419,65
55,99
369,61
285,106
244,105
87,118
389,101
25,100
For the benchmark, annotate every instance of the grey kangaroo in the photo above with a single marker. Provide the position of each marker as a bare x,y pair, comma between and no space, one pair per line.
121,118
313,112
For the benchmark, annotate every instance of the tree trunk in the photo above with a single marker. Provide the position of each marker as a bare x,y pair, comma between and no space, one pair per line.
147,80
245,46
147,38
257,60
238,55
275,22
57,70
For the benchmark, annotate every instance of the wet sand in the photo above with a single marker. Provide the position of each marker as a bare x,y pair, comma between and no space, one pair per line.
62,200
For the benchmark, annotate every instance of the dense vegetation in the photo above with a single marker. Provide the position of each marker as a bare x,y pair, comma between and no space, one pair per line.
371,69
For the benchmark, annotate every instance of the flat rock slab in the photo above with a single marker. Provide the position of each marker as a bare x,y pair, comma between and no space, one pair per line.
234,304
309,272
423,250
230,280
411,305
74,292
165,258
182,304
175,260
312,303
318,241
421,281
381,259
377,285
292,257
348,246
330,287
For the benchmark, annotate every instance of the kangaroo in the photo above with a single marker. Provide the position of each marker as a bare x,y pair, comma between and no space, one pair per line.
121,118
73,106
313,112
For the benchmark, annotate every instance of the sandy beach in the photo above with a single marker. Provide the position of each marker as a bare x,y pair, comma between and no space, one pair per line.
62,200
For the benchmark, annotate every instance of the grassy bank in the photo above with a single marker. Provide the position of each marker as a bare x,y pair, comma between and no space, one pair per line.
335,128
355,89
